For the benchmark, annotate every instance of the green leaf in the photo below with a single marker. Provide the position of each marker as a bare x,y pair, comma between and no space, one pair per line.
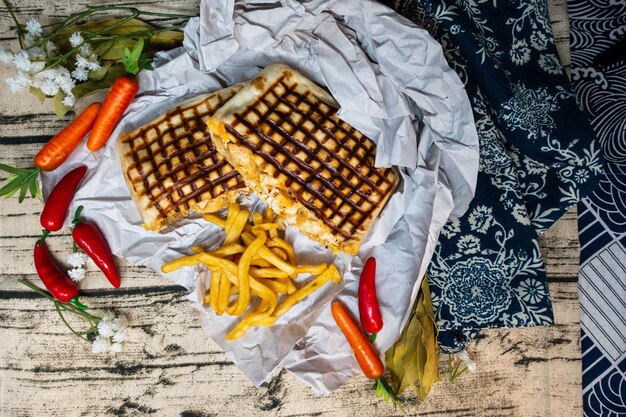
58,107
37,93
131,58
10,188
413,359
91,86
33,187
114,50
12,170
23,180
23,192
167,39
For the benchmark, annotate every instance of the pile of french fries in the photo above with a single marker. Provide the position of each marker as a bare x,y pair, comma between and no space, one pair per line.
253,260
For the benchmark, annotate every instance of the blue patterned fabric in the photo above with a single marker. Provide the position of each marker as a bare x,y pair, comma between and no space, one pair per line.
595,26
538,158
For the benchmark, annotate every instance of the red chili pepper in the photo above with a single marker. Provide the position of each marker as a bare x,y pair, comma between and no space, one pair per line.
371,319
55,210
89,238
56,281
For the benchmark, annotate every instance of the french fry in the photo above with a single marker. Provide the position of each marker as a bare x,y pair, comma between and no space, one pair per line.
269,215
258,261
253,260
215,219
257,218
311,269
224,293
181,262
228,250
274,285
306,290
269,218
268,273
291,287
214,289
280,253
277,242
233,212
237,226
242,274
230,269
269,256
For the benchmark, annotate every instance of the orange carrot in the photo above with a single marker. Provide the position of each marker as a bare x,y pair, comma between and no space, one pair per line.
117,100
60,147
365,354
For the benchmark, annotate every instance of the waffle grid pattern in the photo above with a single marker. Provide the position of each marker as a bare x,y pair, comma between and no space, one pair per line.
326,163
175,163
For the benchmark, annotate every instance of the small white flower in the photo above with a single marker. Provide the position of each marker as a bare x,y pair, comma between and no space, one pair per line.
80,74
77,259
69,101
77,274
63,72
105,328
85,49
120,323
37,66
29,40
81,61
115,348
94,65
108,315
49,74
471,365
66,84
36,53
120,336
101,345
33,27
22,61
18,83
50,88
76,39
6,56
51,48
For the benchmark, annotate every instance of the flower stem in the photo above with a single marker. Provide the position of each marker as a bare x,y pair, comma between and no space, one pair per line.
67,324
18,27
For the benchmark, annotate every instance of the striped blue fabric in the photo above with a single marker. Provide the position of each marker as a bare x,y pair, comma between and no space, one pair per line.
596,26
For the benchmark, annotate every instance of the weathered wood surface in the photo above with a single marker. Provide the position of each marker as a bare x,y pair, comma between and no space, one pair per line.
169,368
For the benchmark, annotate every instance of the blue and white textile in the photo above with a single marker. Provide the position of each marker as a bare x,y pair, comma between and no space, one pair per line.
538,158
595,27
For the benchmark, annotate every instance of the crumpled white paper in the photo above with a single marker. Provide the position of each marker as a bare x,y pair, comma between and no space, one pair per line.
391,80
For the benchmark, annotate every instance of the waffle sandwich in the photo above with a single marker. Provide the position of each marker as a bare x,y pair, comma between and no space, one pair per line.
171,166
282,134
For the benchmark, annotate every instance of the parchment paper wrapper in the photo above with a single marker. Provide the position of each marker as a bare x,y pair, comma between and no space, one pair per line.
391,80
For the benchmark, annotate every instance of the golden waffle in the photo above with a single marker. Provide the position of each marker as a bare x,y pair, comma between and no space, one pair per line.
282,134
171,166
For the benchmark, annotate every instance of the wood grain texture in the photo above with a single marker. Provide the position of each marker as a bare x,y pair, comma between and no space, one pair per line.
169,368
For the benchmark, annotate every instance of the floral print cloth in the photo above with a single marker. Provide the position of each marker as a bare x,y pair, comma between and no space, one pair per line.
595,27
538,158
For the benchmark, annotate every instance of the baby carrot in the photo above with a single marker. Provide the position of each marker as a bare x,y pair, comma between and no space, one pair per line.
117,100
365,354
60,147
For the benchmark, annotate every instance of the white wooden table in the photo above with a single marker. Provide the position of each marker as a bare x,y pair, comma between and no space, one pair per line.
170,368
